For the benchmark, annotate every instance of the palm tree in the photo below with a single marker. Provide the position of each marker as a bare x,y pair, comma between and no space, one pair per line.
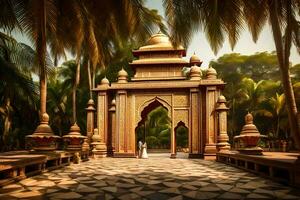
219,18
69,72
17,89
95,24
35,18
57,102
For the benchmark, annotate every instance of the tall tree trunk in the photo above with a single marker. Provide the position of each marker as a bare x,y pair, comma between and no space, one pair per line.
74,104
90,78
41,52
93,77
283,60
278,126
43,93
77,78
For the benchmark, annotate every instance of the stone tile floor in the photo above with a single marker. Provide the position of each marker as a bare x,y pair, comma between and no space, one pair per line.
158,177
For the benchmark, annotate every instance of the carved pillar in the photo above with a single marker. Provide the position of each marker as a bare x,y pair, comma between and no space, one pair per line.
102,120
211,121
195,150
90,118
122,140
222,125
103,115
173,137
112,128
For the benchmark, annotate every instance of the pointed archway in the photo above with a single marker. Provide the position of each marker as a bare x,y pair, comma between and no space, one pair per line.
154,126
181,137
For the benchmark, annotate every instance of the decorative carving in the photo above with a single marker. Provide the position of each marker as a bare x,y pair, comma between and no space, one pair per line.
181,115
143,101
181,100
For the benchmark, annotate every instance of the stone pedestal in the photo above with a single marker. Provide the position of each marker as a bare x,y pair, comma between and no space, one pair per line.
99,147
223,138
74,139
85,151
43,138
249,137
173,155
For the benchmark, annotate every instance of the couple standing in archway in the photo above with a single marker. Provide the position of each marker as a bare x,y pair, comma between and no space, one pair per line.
142,153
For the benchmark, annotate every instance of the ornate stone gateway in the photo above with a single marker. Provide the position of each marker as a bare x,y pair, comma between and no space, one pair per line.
159,80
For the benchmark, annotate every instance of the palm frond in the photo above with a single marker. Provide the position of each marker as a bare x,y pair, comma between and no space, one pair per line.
256,15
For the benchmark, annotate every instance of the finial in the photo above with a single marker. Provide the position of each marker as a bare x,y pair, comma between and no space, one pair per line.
249,118
122,76
194,60
211,73
105,81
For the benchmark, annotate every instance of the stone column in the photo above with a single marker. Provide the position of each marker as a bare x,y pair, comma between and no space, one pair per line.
173,138
195,150
102,121
90,120
121,140
112,128
211,121
223,138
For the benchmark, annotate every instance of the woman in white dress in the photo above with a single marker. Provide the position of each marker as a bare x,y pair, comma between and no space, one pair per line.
144,151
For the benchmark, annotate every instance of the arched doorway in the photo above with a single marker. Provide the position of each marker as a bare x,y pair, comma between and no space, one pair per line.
181,137
154,127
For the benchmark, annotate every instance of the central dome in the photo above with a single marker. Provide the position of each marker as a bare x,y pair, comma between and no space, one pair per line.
158,38
159,42
158,60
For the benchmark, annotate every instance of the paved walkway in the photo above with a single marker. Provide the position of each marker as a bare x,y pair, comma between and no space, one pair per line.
155,178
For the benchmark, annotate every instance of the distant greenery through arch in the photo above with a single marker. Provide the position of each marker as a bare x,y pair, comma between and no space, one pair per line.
155,129
182,139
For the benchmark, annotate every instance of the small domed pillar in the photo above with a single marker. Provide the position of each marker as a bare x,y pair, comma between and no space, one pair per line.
223,138
211,73
122,76
195,71
99,147
74,139
90,119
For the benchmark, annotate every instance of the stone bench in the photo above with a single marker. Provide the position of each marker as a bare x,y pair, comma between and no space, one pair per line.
17,165
279,166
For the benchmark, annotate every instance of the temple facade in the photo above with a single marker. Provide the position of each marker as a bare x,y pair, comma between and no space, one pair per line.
193,100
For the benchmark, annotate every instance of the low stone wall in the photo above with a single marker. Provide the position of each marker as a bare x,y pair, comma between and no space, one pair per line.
17,165
279,166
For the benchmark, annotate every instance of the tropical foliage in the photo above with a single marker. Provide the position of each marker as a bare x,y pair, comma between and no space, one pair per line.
258,92
220,19
155,129
100,36
93,31
18,93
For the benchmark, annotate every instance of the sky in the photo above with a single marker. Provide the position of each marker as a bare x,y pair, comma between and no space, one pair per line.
245,45
201,47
